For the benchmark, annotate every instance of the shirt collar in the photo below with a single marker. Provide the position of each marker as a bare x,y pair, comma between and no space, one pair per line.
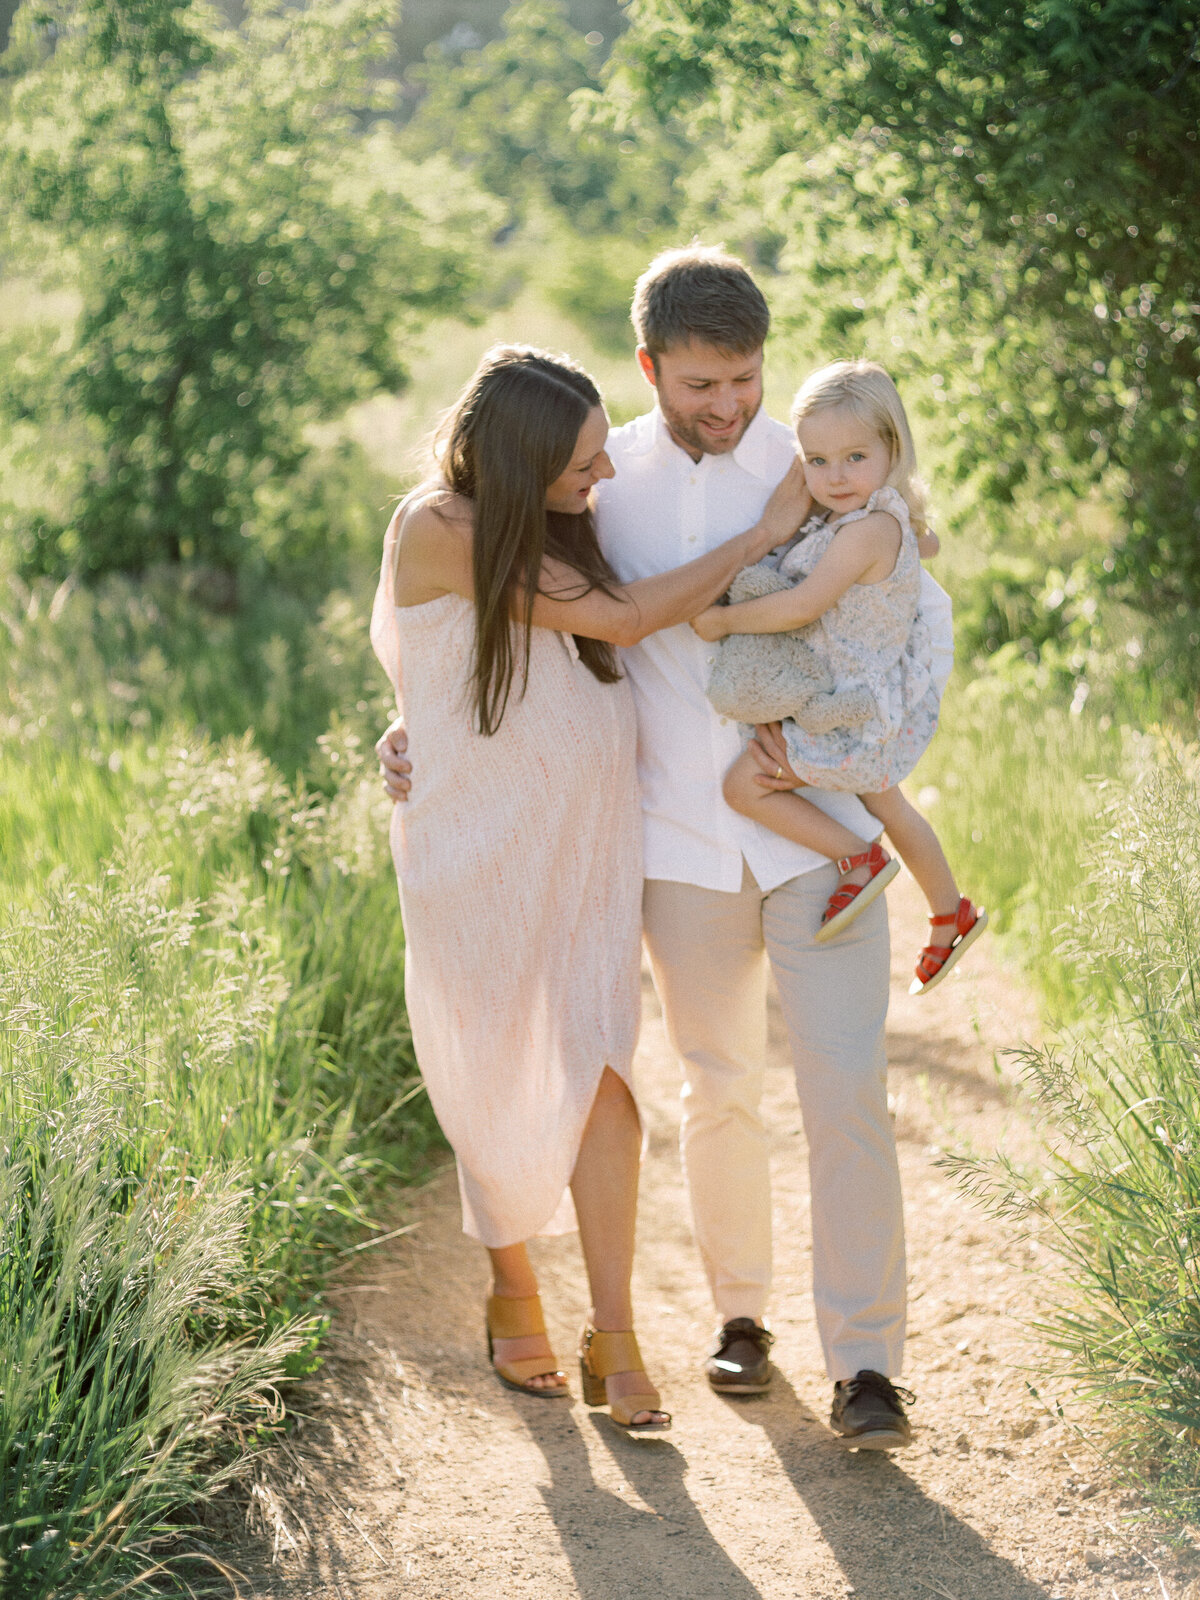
753,452
753,448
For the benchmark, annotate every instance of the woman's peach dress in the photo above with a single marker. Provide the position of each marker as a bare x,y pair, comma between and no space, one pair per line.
519,863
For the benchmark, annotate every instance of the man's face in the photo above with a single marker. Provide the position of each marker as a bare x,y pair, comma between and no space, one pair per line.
707,396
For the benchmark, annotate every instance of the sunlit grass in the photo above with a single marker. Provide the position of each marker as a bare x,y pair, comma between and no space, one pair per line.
205,1063
1117,1098
1013,783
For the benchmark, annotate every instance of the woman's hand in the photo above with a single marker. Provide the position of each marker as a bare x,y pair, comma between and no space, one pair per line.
787,509
711,624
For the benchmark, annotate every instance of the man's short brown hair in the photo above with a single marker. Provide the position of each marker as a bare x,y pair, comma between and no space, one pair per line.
699,293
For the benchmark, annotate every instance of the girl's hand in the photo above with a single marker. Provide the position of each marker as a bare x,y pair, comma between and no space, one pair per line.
928,545
788,508
710,624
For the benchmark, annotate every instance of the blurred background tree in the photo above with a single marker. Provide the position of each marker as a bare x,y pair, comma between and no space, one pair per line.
509,113
523,117
250,248
1023,181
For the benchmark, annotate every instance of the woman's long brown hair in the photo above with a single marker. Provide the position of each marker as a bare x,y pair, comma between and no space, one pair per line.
511,433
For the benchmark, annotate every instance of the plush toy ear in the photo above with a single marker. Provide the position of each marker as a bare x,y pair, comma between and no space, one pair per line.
841,708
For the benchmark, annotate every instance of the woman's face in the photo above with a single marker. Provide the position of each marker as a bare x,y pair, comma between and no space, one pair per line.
588,464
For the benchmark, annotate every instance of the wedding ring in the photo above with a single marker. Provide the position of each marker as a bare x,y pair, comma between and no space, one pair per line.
779,772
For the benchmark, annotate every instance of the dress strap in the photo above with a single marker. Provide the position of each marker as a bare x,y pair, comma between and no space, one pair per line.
893,502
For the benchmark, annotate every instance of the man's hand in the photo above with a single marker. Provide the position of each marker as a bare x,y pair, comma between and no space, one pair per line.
710,624
770,756
789,506
394,766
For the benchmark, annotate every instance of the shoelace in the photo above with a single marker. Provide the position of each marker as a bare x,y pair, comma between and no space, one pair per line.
892,1394
744,1328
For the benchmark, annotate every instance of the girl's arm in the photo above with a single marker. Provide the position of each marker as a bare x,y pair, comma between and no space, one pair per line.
863,552
434,558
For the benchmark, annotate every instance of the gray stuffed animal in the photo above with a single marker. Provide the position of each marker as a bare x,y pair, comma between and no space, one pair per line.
764,677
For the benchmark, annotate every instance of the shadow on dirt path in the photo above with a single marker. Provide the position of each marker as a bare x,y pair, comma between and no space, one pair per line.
415,1474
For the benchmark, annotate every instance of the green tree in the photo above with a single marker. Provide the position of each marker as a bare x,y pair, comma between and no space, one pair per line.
249,245
511,113
1025,176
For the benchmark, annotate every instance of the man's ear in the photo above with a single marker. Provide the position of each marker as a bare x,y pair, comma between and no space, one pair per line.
646,361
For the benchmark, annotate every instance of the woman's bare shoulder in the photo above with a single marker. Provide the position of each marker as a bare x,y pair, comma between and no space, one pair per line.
425,516
433,546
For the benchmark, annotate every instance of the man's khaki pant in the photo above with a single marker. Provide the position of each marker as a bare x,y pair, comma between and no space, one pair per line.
707,953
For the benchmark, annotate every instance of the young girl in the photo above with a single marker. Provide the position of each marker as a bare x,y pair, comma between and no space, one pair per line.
857,567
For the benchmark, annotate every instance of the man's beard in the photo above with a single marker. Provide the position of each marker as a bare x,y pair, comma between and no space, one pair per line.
687,433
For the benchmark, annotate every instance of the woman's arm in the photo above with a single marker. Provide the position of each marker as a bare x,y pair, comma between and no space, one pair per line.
642,607
632,611
863,552
434,558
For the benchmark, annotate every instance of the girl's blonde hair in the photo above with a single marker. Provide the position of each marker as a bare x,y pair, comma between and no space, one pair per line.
865,388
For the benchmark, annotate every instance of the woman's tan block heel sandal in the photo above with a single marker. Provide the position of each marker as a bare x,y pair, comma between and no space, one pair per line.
522,1319
605,1355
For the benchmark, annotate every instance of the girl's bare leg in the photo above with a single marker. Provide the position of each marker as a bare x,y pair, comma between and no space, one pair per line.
792,816
604,1186
918,847
513,1278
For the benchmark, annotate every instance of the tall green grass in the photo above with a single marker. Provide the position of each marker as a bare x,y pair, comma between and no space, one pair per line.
1118,1099
1014,782
1083,837
205,1063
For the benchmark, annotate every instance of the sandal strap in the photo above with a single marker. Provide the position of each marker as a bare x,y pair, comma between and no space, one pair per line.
840,899
627,1407
847,893
608,1353
514,1319
520,1372
963,917
872,857
931,960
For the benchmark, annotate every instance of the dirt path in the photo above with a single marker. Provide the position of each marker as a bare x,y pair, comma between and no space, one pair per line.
417,1475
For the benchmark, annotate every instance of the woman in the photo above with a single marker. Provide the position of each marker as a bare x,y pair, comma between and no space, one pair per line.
518,855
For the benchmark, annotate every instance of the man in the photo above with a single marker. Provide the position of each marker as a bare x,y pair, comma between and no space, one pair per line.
723,895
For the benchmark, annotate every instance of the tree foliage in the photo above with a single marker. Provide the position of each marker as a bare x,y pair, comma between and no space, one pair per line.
1028,174
511,114
248,245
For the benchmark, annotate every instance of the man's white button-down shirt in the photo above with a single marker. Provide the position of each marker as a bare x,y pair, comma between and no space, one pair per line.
660,510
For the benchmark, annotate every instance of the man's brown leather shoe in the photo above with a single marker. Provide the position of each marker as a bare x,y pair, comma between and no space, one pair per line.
740,1364
868,1412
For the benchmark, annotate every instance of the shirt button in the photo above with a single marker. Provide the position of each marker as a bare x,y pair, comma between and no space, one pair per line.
724,720
710,660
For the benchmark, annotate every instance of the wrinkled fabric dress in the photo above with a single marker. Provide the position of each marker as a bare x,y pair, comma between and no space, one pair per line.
872,638
519,863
